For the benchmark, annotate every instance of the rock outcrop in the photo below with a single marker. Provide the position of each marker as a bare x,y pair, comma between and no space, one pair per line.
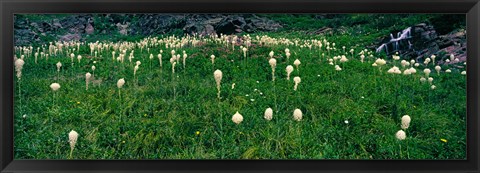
76,27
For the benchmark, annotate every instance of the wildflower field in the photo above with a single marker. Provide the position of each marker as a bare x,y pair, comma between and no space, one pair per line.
233,97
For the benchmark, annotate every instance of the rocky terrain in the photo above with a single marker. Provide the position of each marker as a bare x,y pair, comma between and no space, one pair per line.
422,40
75,27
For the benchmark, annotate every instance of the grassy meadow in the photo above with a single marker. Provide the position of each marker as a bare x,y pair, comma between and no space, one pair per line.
350,109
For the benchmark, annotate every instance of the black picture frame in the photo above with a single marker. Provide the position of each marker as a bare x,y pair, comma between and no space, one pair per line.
471,8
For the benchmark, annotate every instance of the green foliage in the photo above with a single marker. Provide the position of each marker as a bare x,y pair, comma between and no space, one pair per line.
156,115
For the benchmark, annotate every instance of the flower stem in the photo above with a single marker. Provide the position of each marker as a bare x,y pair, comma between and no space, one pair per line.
71,152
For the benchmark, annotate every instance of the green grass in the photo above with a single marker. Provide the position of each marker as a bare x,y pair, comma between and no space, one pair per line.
146,120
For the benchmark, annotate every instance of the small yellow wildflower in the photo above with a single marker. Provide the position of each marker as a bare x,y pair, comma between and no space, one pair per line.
197,133
444,140
145,115
123,141
78,102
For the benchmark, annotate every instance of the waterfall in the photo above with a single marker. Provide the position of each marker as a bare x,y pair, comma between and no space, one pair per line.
396,43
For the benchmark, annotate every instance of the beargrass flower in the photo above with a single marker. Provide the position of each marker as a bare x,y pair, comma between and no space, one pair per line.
297,115
268,114
237,118
405,122
400,135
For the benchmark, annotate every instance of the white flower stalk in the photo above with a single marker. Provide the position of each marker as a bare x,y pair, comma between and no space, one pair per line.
113,55
59,65
120,84
271,54
400,135
427,72
430,80
343,59
268,114
296,63
447,61
18,68
184,59
297,115
427,61
273,64
138,63
79,57
93,69
452,57
55,86
405,122
422,79
433,58
416,64
448,71
464,73
36,57
173,67
297,80
407,72
338,68
433,87
395,57
237,118
394,70
233,86
218,79
413,70
135,70
404,63
87,79
244,52
374,64
380,62
438,68
72,139
362,57
160,59
289,70
212,57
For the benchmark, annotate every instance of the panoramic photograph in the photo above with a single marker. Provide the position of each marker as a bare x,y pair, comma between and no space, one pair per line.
240,86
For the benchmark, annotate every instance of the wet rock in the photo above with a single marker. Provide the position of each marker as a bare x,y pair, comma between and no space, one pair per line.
425,41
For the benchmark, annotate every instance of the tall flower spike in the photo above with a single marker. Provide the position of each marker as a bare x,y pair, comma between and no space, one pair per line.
289,70
297,115
218,79
268,114
400,135
55,86
273,64
405,122
237,118
297,80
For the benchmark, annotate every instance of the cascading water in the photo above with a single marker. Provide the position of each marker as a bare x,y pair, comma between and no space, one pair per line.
401,42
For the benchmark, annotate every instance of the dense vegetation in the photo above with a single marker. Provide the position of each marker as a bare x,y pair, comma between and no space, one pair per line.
351,109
